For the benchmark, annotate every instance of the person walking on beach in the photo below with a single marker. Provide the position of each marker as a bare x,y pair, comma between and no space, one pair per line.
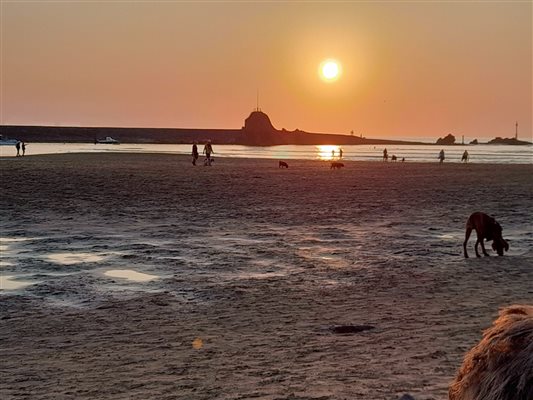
194,153
441,156
17,146
23,149
385,155
340,153
332,154
465,157
208,149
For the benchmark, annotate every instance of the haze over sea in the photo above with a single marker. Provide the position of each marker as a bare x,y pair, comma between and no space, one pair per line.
487,154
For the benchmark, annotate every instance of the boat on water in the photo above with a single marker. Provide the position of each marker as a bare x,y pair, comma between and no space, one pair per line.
4,141
107,140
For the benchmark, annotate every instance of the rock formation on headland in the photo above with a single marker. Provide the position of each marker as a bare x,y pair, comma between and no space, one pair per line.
446,140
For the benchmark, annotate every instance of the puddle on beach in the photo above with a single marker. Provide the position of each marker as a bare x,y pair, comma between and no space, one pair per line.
130,275
74,258
5,264
11,283
4,240
6,244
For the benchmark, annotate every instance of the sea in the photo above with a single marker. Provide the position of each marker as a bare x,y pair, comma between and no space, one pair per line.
485,154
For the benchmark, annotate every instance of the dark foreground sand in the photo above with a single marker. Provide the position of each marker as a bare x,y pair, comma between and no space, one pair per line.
254,266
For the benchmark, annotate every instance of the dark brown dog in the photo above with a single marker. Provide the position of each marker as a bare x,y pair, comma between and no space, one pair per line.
486,228
500,366
283,164
336,165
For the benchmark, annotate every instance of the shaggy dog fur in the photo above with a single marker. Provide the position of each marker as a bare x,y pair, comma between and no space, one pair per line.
500,366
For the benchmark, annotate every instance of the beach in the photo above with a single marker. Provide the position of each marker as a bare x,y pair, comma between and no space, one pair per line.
240,272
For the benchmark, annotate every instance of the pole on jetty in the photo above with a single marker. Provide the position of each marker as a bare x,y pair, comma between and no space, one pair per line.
516,131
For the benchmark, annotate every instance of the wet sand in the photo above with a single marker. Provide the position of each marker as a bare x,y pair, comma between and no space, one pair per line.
239,272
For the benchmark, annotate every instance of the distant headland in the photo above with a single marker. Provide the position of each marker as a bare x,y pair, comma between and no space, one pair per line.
257,131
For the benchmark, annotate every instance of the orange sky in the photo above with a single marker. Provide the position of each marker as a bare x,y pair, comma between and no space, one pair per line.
410,69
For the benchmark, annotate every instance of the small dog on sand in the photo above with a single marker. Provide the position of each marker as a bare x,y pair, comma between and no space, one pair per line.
486,228
500,366
283,164
336,165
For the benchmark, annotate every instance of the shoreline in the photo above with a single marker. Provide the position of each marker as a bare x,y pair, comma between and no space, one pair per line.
376,161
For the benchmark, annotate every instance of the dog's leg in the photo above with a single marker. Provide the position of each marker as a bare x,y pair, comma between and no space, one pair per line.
475,247
467,236
483,248
478,241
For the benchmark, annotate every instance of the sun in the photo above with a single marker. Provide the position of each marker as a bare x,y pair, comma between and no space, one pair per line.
330,70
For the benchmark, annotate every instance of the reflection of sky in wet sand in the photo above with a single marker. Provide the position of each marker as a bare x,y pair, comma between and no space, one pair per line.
6,245
74,258
11,283
5,264
129,275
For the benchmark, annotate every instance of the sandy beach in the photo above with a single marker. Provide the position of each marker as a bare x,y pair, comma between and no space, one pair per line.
237,275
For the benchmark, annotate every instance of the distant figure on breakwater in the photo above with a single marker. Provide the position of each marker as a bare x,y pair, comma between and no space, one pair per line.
385,155
23,149
208,149
194,153
17,146
441,156
465,157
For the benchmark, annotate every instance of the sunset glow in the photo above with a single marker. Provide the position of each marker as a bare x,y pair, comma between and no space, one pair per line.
330,70
407,70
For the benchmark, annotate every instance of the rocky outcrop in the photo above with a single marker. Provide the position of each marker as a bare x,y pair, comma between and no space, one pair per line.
447,140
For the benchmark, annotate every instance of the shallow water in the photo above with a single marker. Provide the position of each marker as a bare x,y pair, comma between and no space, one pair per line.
494,154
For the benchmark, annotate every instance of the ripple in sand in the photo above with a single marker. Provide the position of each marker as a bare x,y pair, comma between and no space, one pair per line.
12,283
74,258
447,237
130,275
261,275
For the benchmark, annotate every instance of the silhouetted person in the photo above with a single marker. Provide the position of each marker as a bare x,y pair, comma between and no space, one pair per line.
208,149
465,157
441,156
340,153
385,155
17,146
403,159
194,153
23,149
332,153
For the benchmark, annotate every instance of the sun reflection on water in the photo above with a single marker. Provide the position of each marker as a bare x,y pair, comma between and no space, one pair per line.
328,152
